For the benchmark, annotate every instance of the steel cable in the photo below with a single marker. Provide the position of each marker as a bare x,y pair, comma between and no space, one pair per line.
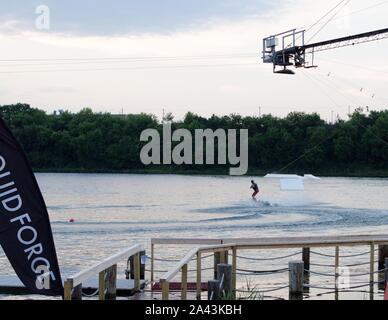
263,291
269,259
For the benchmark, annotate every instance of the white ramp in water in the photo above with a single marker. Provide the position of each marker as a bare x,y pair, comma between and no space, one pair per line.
291,182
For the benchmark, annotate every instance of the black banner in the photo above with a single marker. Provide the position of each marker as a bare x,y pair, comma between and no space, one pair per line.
25,231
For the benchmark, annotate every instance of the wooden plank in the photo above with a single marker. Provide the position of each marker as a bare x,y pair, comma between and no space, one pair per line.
218,248
299,241
186,241
307,240
298,245
284,243
177,286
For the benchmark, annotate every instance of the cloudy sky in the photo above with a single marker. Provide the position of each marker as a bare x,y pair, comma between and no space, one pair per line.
192,55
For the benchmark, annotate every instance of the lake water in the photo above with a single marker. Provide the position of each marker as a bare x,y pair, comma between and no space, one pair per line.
111,212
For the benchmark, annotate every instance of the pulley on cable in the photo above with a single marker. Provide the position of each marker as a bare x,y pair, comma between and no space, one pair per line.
289,48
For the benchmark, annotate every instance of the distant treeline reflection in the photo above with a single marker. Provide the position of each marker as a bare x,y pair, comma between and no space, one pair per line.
96,142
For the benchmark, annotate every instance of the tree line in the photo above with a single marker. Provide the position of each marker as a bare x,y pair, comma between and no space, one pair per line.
102,142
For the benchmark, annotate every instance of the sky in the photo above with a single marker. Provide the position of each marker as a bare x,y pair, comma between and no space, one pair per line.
101,17
193,55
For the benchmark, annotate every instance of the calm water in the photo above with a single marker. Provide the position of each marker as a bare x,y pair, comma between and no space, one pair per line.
114,211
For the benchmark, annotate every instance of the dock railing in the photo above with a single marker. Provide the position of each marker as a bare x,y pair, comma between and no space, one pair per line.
182,267
235,245
107,275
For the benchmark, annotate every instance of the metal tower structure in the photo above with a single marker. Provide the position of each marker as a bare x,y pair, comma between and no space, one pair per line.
289,49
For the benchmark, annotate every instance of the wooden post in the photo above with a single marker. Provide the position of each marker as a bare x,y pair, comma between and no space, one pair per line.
337,264
306,259
199,275
68,288
220,258
108,284
234,271
217,261
213,290
111,283
152,261
137,268
337,259
184,282
77,293
225,278
143,260
372,270
165,290
142,265
225,257
101,285
296,275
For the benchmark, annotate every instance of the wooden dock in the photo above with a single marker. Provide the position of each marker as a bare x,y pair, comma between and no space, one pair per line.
11,285
101,281
231,247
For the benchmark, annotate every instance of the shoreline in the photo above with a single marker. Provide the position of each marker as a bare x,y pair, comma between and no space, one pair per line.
378,174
